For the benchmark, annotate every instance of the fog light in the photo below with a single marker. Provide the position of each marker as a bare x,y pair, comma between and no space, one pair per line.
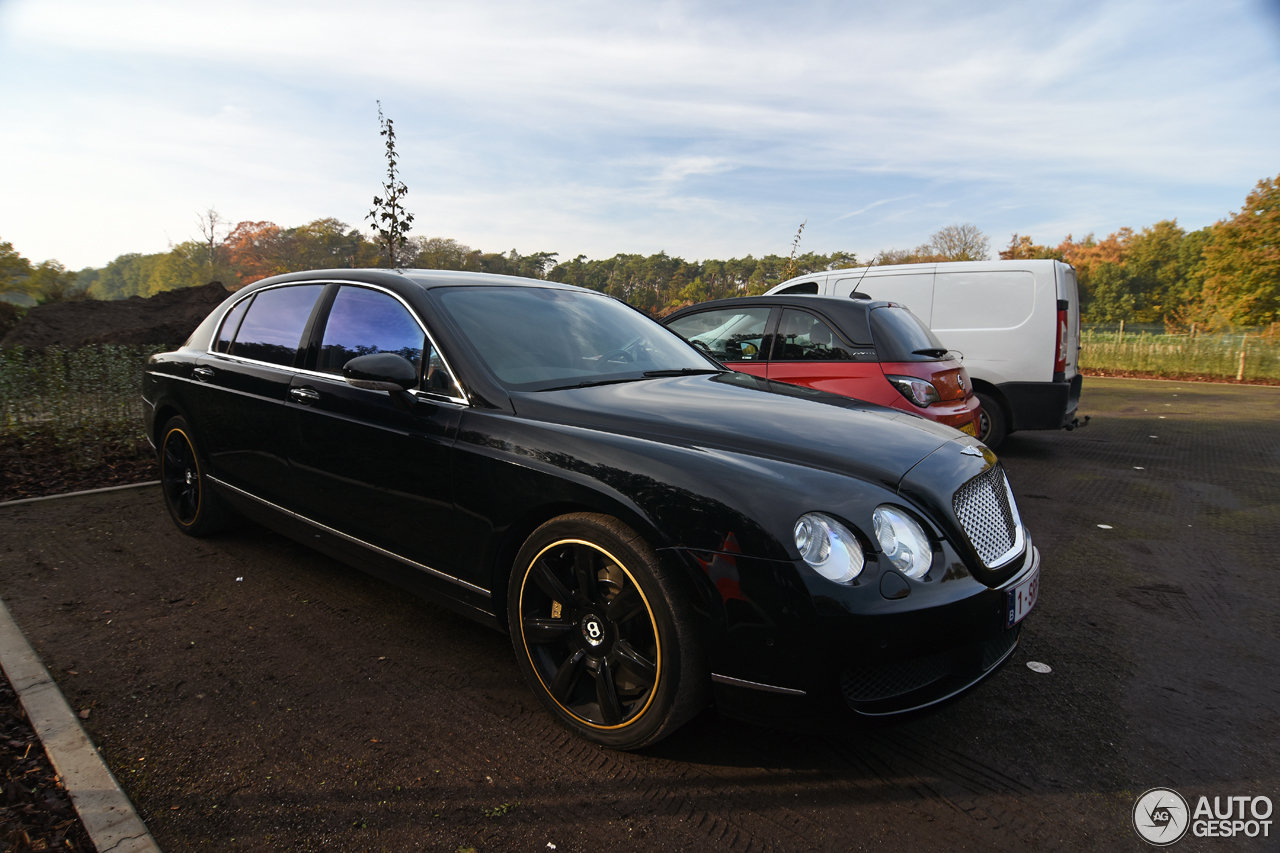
828,547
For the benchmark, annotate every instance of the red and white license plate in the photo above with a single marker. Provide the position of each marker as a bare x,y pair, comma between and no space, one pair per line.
1019,600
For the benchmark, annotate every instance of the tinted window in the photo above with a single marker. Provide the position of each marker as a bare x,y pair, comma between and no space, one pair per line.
363,322
273,325
229,325
535,338
725,334
804,337
900,336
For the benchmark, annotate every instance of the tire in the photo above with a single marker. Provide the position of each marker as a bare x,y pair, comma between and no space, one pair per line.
994,424
603,636
190,499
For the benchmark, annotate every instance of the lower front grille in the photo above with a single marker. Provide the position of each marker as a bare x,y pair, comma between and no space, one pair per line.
873,688
886,680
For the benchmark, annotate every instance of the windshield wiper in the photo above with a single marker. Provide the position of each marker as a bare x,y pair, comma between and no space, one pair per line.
683,371
935,352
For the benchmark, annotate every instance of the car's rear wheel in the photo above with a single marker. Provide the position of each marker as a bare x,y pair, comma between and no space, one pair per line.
993,426
190,500
603,636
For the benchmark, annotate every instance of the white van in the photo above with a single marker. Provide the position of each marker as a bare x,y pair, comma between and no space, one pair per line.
1016,323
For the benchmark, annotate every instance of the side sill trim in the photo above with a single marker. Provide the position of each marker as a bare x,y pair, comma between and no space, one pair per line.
752,685
363,544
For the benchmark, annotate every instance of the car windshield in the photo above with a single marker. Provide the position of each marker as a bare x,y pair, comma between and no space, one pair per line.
537,339
902,336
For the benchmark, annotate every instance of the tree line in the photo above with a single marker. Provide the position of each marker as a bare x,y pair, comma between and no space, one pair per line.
1224,275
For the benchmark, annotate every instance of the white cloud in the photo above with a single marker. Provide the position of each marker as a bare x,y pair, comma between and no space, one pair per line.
702,128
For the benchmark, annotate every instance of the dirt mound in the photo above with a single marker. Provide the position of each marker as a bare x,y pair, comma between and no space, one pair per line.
166,318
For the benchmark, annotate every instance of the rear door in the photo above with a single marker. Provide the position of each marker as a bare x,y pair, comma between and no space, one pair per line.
238,408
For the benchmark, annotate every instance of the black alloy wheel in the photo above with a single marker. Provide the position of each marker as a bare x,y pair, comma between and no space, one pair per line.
599,636
191,503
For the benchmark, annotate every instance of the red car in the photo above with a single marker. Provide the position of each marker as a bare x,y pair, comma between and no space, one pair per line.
875,351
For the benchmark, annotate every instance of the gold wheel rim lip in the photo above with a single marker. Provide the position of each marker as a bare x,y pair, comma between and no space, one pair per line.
196,460
657,639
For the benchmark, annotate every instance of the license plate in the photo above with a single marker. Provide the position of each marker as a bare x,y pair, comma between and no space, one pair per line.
1019,600
970,429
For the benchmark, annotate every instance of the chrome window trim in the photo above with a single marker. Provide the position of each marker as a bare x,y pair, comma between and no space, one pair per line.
464,400
355,540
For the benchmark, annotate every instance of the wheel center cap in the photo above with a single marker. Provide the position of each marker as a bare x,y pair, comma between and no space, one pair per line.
593,629
188,476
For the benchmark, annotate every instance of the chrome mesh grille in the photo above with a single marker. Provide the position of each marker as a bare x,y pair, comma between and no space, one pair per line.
983,506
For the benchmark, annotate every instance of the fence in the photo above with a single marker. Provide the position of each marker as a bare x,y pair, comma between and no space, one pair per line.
1244,355
80,402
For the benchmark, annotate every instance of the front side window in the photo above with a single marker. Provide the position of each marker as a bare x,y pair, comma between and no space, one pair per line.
364,322
272,327
726,334
804,337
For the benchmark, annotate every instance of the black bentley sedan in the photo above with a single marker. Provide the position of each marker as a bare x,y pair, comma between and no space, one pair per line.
654,531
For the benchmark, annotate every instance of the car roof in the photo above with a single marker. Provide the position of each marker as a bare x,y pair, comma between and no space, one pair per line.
426,279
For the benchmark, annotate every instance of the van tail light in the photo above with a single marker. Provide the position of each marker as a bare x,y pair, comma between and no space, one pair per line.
1060,359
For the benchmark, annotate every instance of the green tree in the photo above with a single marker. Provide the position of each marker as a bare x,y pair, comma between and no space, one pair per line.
52,282
15,272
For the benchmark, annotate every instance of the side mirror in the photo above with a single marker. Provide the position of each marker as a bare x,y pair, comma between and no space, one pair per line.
382,371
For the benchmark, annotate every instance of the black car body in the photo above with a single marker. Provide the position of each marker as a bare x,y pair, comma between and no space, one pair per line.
638,531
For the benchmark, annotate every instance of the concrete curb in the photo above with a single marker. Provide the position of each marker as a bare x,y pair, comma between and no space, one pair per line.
77,494
104,809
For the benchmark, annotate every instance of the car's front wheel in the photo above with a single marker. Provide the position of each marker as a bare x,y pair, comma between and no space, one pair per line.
602,634
191,502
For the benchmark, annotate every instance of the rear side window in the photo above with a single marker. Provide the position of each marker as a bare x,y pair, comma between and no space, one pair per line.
230,324
726,334
805,337
900,336
273,325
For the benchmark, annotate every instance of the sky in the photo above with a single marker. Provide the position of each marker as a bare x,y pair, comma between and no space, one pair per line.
702,129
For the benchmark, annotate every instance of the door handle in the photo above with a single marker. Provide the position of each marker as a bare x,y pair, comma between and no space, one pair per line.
202,373
305,396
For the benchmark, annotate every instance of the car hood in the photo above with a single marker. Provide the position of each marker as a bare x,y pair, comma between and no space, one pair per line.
740,413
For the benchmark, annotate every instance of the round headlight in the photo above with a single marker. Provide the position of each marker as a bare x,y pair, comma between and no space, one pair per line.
828,546
902,540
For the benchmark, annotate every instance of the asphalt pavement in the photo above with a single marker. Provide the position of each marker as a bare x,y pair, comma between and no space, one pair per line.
250,694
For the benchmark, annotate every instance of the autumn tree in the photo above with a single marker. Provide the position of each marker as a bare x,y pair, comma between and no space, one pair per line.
1022,248
390,220
1242,261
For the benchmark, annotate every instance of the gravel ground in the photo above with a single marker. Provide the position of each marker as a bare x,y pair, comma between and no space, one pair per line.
250,694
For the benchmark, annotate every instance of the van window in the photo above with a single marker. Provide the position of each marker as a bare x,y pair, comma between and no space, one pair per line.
914,290
1000,299
802,287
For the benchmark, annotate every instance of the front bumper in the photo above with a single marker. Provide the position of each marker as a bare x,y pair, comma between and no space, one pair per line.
841,659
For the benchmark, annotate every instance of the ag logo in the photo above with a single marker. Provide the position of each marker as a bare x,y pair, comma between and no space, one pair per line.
1160,816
